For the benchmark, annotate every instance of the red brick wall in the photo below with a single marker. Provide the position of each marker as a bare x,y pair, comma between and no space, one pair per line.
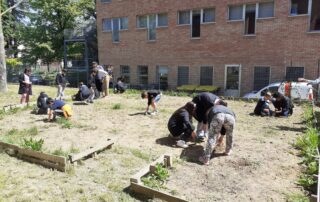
279,42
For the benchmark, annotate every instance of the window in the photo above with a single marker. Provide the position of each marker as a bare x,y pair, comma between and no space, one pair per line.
299,7
152,27
250,19
208,15
123,23
266,10
315,16
162,77
206,75
293,73
236,12
162,20
143,74
196,22
183,75
105,1
125,73
142,21
106,25
261,77
115,30
184,17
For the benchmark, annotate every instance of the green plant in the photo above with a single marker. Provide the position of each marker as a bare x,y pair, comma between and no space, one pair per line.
158,178
116,106
60,152
297,198
65,123
35,145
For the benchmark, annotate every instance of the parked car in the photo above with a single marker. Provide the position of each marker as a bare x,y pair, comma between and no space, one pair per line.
298,90
36,79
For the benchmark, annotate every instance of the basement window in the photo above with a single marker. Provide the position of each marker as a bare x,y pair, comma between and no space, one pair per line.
299,7
315,16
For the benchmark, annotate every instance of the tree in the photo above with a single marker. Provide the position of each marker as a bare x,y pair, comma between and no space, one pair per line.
44,35
3,69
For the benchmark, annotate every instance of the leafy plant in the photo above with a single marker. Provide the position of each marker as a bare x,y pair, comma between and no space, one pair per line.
116,106
35,145
158,178
65,123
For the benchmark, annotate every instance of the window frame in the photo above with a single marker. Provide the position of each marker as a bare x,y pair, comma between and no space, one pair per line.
157,21
122,74
243,13
304,14
190,17
202,15
143,75
258,9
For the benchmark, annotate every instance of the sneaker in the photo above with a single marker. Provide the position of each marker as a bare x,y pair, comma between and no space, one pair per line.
204,160
228,152
182,144
201,136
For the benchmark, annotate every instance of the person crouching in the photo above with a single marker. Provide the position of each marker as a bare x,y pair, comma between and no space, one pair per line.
180,124
58,106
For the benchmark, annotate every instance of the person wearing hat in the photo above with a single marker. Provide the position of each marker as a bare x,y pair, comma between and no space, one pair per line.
262,108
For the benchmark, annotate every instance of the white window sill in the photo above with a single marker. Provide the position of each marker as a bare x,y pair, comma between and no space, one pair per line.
162,27
250,35
298,15
151,41
267,18
208,23
231,21
137,29
116,42
182,25
195,38
123,30
313,32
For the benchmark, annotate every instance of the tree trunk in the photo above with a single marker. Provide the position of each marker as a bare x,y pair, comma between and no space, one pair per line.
3,69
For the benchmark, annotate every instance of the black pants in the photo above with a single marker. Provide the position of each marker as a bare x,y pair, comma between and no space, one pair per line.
181,132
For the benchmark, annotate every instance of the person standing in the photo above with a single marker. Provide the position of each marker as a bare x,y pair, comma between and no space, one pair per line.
219,117
61,83
25,86
102,81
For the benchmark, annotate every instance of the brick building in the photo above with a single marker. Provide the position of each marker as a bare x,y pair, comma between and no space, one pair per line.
239,45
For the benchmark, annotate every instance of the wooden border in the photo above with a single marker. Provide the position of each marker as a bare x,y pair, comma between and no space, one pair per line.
46,160
92,151
137,186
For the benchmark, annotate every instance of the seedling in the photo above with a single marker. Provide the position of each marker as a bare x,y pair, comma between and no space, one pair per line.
35,145
157,179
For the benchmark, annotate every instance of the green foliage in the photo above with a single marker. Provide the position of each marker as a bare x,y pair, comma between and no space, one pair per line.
297,198
15,136
65,123
13,62
60,152
157,179
117,106
35,145
308,144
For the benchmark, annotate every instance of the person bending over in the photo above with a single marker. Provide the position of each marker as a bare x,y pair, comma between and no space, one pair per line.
219,117
153,97
282,104
262,108
180,124
58,105
204,101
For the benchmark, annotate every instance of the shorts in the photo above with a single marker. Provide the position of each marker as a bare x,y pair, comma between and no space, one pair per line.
67,111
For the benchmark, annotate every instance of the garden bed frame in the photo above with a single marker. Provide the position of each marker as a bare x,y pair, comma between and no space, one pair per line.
47,160
137,186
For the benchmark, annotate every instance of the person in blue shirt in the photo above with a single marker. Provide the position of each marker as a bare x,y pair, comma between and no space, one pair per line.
262,108
57,105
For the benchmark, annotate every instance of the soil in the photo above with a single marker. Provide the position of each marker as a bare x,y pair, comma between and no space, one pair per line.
263,166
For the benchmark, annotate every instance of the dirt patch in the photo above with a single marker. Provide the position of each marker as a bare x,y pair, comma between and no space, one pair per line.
263,166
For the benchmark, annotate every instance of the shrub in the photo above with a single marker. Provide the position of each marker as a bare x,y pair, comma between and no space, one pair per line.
158,178
35,145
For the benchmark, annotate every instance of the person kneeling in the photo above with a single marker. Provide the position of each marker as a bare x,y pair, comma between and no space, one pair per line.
262,108
42,103
283,105
219,116
180,124
57,107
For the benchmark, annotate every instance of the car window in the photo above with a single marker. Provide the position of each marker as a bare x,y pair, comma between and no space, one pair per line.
273,89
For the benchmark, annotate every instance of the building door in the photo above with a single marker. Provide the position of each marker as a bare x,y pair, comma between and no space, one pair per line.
261,77
232,80
162,77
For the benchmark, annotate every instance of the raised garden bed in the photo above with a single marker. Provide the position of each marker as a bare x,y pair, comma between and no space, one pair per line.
137,186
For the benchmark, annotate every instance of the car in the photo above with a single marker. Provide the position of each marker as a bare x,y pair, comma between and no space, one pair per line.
295,90
36,79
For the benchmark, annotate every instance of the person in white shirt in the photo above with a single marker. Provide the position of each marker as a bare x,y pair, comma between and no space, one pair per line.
25,86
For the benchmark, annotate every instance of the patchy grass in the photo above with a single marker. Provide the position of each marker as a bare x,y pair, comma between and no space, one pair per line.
117,106
15,136
297,198
65,123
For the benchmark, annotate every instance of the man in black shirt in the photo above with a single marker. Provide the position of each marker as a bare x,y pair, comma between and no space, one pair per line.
262,108
180,124
42,103
282,104
153,97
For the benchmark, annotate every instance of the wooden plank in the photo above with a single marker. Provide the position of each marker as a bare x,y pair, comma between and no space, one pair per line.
137,177
169,160
154,193
4,145
97,148
44,163
39,155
